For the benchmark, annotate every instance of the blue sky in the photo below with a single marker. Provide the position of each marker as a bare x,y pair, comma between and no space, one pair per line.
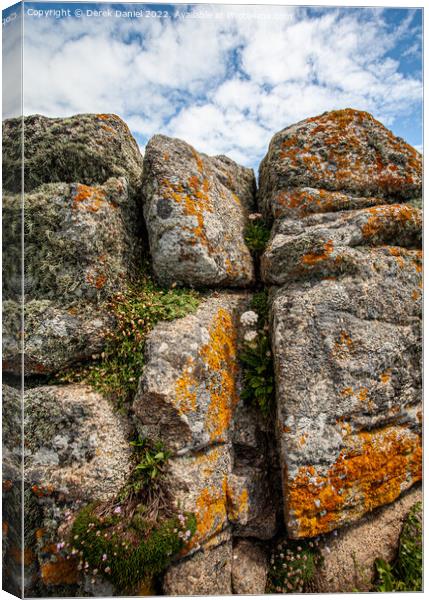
228,78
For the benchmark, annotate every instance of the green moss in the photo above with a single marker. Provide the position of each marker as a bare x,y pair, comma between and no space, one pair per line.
405,573
256,236
123,558
293,566
137,311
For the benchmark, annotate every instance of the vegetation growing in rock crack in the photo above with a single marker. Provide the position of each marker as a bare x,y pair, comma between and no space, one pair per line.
137,310
132,538
256,234
405,573
293,566
256,356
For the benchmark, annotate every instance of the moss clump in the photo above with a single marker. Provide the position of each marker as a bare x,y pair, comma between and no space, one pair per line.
116,550
256,236
293,566
137,310
257,361
405,573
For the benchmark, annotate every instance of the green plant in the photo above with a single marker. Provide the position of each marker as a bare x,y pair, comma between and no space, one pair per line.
137,310
258,373
260,305
256,236
111,546
405,573
293,566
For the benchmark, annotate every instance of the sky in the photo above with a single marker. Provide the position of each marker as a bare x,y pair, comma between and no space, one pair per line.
223,78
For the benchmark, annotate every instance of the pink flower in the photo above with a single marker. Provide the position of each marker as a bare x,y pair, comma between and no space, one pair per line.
117,510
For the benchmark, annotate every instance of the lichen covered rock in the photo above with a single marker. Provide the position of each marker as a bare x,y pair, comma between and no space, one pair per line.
81,247
77,451
349,555
196,210
353,242
87,148
208,572
347,359
340,151
190,385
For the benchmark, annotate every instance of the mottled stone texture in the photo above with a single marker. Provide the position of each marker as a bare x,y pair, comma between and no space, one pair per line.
196,210
349,556
77,451
346,325
82,237
249,568
87,148
189,396
345,151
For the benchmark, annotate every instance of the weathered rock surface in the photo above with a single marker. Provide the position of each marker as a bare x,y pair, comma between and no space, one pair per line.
249,568
346,151
196,210
87,148
82,245
354,242
348,557
77,451
190,385
208,572
346,324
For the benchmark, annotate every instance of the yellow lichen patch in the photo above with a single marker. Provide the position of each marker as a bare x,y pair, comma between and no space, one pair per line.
343,344
386,376
186,389
302,440
61,572
220,357
369,472
314,258
238,503
381,217
210,512
87,197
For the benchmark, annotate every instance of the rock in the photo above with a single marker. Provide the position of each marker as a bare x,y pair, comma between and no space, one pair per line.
344,150
87,148
75,443
332,244
190,385
196,209
346,357
349,556
208,572
90,251
77,451
249,568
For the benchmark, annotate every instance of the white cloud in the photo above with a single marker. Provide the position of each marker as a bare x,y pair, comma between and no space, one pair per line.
223,84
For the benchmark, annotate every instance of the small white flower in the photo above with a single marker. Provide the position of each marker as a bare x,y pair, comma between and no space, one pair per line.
254,216
249,318
249,336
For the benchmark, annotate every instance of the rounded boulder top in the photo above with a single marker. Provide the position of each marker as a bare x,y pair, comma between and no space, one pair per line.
87,148
343,150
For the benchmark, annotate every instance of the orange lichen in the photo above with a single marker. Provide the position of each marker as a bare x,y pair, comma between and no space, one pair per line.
238,504
61,572
314,258
382,217
386,376
368,473
211,513
186,389
220,356
87,197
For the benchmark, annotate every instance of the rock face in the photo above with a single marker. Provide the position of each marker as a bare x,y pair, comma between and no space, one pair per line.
189,396
89,149
349,564
346,324
77,451
344,151
82,238
196,210
249,568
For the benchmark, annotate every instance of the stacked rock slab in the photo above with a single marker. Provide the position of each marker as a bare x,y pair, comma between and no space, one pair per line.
189,396
81,232
346,323
196,209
